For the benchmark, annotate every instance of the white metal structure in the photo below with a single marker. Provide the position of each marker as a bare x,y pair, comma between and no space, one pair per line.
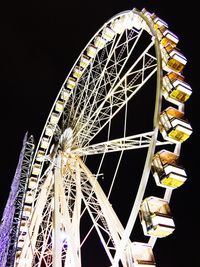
97,125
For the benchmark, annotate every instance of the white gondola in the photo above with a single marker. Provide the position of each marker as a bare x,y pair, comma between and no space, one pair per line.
40,156
173,60
91,51
26,211
23,226
117,26
84,61
155,217
136,22
167,171
32,182
71,83
99,42
49,131
44,143
29,197
65,94
168,37
127,21
174,89
59,106
108,34
77,72
142,255
36,169
20,242
54,118
159,23
173,125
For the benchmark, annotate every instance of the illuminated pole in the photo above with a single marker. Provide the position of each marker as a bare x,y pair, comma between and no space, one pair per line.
56,215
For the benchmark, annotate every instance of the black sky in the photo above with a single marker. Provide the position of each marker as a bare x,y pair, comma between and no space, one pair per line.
40,41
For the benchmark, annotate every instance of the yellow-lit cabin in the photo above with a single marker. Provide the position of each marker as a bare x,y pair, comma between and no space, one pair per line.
117,26
71,83
126,21
134,21
175,90
49,130
91,51
26,210
32,182
40,156
84,61
36,169
173,125
158,23
59,106
173,60
108,34
77,72
23,225
142,255
137,22
29,197
165,36
155,217
167,171
44,143
65,94
99,42
168,37
54,118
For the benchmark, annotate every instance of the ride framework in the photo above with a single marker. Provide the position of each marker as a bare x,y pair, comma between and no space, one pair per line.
120,109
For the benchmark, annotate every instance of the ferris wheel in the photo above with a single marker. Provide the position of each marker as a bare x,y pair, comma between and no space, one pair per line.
120,109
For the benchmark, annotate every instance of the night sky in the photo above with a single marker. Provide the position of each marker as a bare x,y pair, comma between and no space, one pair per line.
39,43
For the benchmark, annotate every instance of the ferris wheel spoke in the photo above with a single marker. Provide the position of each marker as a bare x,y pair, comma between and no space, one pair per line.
102,75
102,71
70,220
120,144
101,211
118,97
43,237
92,205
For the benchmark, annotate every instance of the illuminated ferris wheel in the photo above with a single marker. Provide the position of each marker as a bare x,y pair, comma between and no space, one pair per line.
123,100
